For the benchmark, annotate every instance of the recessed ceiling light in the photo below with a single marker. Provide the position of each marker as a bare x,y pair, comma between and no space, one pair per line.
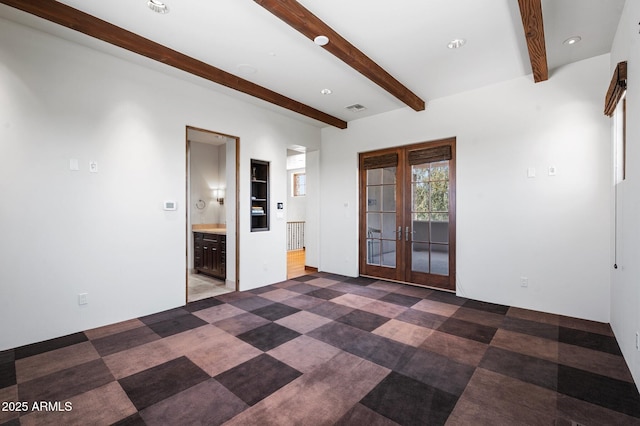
456,43
572,40
321,40
157,6
326,91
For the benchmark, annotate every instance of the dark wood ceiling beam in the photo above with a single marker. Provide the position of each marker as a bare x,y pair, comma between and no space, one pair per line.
531,13
77,20
301,19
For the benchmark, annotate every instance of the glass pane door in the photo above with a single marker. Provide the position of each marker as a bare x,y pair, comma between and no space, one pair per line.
429,228
381,231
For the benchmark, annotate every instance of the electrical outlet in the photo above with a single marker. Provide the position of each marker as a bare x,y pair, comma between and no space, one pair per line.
524,282
637,341
82,298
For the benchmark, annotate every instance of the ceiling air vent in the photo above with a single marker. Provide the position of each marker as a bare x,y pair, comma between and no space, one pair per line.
356,108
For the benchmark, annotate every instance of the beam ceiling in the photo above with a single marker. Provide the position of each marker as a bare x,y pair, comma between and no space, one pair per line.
531,13
74,19
301,19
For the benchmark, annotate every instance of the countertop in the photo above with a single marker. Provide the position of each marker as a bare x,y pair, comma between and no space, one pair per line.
217,231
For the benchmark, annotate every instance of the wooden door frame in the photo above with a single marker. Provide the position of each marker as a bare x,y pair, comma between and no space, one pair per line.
447,283
188,209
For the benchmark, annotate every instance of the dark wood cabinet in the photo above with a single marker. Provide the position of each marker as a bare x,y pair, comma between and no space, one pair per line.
259,195
209,254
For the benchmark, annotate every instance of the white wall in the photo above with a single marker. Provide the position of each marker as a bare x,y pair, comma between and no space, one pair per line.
64,233
312,227
553,230
625,290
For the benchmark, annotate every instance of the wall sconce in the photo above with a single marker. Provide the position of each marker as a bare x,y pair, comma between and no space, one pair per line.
218,194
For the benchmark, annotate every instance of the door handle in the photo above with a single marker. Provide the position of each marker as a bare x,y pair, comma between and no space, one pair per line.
399,232
406,234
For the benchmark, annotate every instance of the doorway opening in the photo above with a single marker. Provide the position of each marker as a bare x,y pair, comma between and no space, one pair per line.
407,214
296,213
212,261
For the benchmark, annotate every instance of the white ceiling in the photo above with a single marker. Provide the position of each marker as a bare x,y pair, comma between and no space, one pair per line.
408,38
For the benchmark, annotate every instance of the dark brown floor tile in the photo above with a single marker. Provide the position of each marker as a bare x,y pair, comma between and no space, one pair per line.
207,403
257,378
446,297
457,348
251,303
400,299
589,340
479,317
177,325
386,286
486,307
261,290
302,288
49,362
318,397
132,420
380,350
421,318
7,369
330,310
363,320
275,311
9,394
49,345
585,413
437,371
202,304
305,278
585,325
268,336
330,276
234,295
126,340
108,330
616,395
533,328
361,415
372,293
325,293
155,384
222,353
12,422
241,323
347,288
526,344
536,316
602,363
468,330
409,402
303,301
164,315
64,384
523,367
337,334
361,280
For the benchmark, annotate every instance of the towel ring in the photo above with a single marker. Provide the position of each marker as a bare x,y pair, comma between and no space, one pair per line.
200,204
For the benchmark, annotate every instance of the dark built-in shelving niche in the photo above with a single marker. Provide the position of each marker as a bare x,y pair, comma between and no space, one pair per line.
259,195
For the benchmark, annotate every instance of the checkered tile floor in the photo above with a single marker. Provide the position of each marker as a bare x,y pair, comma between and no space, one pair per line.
324,349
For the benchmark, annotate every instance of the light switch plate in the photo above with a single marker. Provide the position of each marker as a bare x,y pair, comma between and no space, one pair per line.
93,166
74,165
531,172
552,170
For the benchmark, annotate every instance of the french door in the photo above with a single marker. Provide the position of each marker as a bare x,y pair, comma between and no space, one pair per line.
407,214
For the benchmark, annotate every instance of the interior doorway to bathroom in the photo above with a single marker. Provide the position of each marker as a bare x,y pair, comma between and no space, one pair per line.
212,261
